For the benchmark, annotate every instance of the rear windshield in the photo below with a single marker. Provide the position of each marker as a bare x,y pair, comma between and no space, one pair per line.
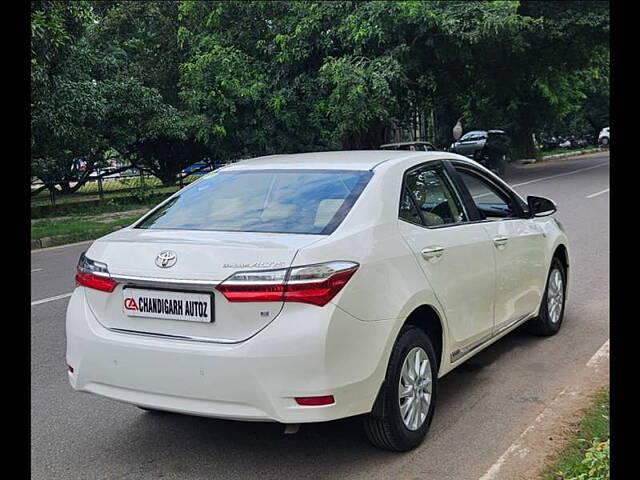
275,201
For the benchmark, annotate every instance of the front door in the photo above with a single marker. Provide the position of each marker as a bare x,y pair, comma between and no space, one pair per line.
518,246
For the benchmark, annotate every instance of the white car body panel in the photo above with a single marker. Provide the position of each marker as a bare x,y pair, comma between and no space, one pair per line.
249,366
521,269
463,278
604,133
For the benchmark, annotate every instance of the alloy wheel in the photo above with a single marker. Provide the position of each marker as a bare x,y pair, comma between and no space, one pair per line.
414,390
555,295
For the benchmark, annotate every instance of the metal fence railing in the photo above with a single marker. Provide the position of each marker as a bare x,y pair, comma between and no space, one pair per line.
105,185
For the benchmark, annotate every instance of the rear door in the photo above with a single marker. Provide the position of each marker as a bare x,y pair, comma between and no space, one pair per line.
518,245
456,255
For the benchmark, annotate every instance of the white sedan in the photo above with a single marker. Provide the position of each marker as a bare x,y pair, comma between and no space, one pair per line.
603,137
311,287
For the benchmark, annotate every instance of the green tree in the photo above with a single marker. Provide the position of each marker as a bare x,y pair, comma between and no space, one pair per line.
158,131
64,109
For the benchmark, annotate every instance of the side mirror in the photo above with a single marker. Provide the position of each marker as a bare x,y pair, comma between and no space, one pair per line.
541,207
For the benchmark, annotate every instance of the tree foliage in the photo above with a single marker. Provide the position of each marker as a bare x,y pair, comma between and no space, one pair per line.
165,84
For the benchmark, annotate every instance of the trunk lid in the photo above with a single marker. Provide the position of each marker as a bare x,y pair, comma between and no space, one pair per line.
202,260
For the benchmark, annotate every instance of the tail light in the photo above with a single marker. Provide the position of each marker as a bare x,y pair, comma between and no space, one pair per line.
314,284
94,275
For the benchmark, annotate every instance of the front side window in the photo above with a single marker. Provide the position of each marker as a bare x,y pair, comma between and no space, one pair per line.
491,202
434,196
274,201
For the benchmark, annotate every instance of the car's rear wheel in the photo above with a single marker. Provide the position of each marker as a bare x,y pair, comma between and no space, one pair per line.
551,314
604,141
404,408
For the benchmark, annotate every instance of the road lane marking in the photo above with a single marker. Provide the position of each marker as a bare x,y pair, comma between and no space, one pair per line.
51,299
37,270
598,193
602,353
559,175
518,449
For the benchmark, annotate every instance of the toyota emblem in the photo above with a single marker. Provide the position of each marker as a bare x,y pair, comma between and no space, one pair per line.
166,259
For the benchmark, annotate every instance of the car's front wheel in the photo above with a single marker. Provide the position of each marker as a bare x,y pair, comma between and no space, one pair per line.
551,313
404,409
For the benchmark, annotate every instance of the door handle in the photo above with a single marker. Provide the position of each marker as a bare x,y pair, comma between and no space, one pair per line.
500,242
432,253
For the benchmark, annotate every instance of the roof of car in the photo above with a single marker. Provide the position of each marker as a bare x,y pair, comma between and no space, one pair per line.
475,132
338,160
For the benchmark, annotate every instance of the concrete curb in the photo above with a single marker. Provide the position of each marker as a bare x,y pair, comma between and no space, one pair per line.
60,240
45,242
571,154
528,455
576,153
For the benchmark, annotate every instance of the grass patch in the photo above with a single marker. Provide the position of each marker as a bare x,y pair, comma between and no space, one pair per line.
585,456
95,206
79,228
558,151
103,208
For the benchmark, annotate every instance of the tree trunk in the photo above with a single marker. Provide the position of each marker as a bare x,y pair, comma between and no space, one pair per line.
370,139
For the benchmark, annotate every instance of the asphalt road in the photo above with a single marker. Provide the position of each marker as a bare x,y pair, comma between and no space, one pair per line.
483,407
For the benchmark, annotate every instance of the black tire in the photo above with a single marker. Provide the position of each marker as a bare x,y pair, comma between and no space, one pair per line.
384,425
604,142
543,325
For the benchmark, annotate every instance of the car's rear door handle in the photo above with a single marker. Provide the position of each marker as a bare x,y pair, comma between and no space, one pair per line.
500,242
432,253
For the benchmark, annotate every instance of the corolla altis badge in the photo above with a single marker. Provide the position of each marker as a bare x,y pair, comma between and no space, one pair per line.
255,265
166,259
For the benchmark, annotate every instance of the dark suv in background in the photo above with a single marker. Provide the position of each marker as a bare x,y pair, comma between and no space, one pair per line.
488,147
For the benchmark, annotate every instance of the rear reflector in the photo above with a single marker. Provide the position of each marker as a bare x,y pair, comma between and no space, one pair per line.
91,280
315,401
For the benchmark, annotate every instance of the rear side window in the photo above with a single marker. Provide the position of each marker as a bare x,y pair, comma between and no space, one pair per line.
274,201
433,195
408,210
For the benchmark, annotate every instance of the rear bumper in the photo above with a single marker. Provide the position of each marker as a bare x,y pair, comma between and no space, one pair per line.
306,351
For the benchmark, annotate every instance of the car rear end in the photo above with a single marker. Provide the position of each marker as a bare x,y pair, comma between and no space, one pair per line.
201,307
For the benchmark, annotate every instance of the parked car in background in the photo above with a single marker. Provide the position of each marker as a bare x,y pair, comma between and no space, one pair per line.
412,146
282,289
107,172
470,144
603,138
198,168
488,147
